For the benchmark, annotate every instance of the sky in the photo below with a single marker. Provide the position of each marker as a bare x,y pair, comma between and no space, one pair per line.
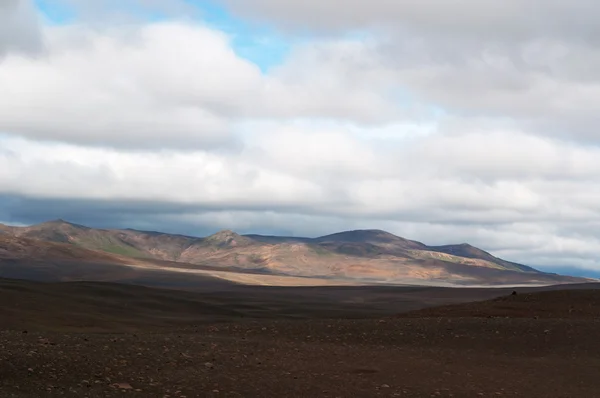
443,121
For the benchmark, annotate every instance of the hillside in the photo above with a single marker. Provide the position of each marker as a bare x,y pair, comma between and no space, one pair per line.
364,255
24,258
17,248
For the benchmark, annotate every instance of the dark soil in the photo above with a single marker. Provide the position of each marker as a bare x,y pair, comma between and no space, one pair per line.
528,345
562,304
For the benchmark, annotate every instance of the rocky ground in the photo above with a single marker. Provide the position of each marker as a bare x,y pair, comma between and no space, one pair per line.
449,352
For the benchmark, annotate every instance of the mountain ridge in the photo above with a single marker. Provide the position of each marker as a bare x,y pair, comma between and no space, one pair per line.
365,255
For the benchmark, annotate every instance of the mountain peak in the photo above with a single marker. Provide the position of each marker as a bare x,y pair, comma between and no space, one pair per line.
228,238
59,222
225,233
371,236
53,222
359,235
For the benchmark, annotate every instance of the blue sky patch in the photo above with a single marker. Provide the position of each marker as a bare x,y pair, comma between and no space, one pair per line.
257,43
54,12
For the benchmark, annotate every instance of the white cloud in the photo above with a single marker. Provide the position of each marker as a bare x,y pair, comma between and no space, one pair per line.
19,28
491,154
177,85
333,79
537,62
346,183
468,123
162,86
200,178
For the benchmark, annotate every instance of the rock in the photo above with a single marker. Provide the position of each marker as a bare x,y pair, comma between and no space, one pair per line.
122,386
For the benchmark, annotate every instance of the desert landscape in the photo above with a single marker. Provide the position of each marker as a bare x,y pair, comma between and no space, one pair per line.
299,198
95,313
99,339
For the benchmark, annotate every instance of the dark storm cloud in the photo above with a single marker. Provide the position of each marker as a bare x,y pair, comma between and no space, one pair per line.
195,220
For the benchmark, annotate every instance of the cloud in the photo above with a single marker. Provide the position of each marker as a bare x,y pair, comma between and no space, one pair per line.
177,85
474,19
201,178
548,215
476,122
335,79
536,62
491,154
166,85
19,28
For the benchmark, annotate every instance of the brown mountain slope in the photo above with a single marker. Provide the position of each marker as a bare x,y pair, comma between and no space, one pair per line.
36,260
375,237
123,242
16,248
468,251
366,255
32,259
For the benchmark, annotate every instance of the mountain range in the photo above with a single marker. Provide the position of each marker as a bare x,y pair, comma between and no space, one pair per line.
363,256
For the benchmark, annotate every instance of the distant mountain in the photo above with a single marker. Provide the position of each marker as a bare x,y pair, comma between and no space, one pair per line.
128,242
30,259
468,251
17,248
25,258
365,255
372,236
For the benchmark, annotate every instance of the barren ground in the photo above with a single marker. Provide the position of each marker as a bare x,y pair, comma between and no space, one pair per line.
529,345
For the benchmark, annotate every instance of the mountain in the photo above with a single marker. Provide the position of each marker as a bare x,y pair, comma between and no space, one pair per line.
467,251
369,243
16,248
36,260
128,242
25,258
371,236
364,255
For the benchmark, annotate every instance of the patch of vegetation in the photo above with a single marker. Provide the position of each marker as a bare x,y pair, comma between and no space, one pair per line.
123,250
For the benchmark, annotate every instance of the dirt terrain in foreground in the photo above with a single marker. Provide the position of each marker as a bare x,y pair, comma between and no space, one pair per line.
456,351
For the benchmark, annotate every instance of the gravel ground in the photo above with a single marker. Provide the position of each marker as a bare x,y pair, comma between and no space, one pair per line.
401,357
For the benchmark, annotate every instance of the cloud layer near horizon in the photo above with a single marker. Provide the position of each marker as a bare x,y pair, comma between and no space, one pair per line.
442,126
